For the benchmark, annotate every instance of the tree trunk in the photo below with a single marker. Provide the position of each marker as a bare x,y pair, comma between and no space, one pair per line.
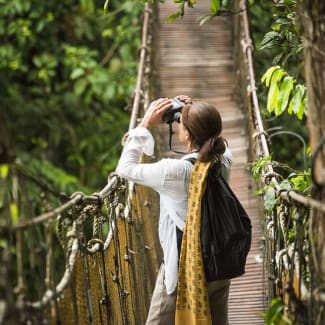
311,14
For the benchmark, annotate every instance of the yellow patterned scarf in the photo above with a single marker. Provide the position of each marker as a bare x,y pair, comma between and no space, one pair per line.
192,307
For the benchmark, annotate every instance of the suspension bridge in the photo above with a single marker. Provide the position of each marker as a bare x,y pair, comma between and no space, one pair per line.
106,275
199,61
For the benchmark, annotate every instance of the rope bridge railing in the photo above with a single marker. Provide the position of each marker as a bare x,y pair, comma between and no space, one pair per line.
84,261
291,270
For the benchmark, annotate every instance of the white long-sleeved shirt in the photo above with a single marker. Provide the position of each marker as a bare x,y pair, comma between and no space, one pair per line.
170,178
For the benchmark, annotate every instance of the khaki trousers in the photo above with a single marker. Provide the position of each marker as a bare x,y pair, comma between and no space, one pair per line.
162,308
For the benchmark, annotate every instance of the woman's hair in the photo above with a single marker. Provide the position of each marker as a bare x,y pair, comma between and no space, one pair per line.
204,125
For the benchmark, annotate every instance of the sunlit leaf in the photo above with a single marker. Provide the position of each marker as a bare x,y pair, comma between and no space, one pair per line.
14,213
284,94
106,6
298,101
268,74
274,314
301,181
4,171
302,110
274,311
272,97
215,5
76,73
278,75
205,19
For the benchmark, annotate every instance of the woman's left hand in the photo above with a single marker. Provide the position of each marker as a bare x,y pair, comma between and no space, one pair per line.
153,115
185,99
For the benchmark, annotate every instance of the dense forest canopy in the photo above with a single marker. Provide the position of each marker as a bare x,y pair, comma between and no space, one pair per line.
67,76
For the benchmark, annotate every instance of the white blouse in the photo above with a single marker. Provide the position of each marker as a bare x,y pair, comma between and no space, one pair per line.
170,178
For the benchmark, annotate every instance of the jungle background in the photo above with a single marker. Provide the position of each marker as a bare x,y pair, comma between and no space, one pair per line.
67,75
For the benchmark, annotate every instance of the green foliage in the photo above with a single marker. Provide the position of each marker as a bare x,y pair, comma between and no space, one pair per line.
297,181
284,94
259,166
284,34
51,175
301,181
269,198
4,170
217,7
181,9
14,213
67,73
279,16
274,315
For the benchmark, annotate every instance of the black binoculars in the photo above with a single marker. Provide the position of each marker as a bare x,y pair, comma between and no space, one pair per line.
173,114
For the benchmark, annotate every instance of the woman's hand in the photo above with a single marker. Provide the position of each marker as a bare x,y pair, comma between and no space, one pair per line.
153,115
185,99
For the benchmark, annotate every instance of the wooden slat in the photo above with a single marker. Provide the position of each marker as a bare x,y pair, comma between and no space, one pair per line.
198,61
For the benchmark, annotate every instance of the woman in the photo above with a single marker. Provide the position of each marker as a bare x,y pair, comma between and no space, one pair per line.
200,131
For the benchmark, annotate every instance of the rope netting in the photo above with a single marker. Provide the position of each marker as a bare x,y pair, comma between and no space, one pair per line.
77,265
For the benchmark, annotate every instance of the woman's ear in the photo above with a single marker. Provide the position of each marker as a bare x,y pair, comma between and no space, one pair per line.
188,140
187,135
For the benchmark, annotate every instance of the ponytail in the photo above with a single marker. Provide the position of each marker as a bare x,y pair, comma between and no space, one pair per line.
212,149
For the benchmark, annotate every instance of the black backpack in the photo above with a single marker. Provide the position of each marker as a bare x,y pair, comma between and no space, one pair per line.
226,229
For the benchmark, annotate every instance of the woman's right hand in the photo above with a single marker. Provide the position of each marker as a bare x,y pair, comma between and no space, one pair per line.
153,115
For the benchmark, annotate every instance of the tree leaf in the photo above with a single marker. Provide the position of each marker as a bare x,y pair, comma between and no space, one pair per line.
4,171
284,93
205,19
278,75
191,3
274,313
259,165
80,86
268,74
268,37
298,102
271,44
173,16
269,198
302,109
106,6
272,97
14,213
76,73
215,5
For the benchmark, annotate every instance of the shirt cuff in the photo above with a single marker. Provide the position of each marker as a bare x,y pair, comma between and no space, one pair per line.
146,138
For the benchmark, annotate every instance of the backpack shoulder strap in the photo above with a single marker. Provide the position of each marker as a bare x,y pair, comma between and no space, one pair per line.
192,160
215,170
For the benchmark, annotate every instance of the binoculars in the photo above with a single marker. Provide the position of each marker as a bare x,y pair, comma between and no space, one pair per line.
173,114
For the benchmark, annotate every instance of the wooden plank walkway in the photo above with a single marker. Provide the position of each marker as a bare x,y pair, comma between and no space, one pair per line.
198,61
